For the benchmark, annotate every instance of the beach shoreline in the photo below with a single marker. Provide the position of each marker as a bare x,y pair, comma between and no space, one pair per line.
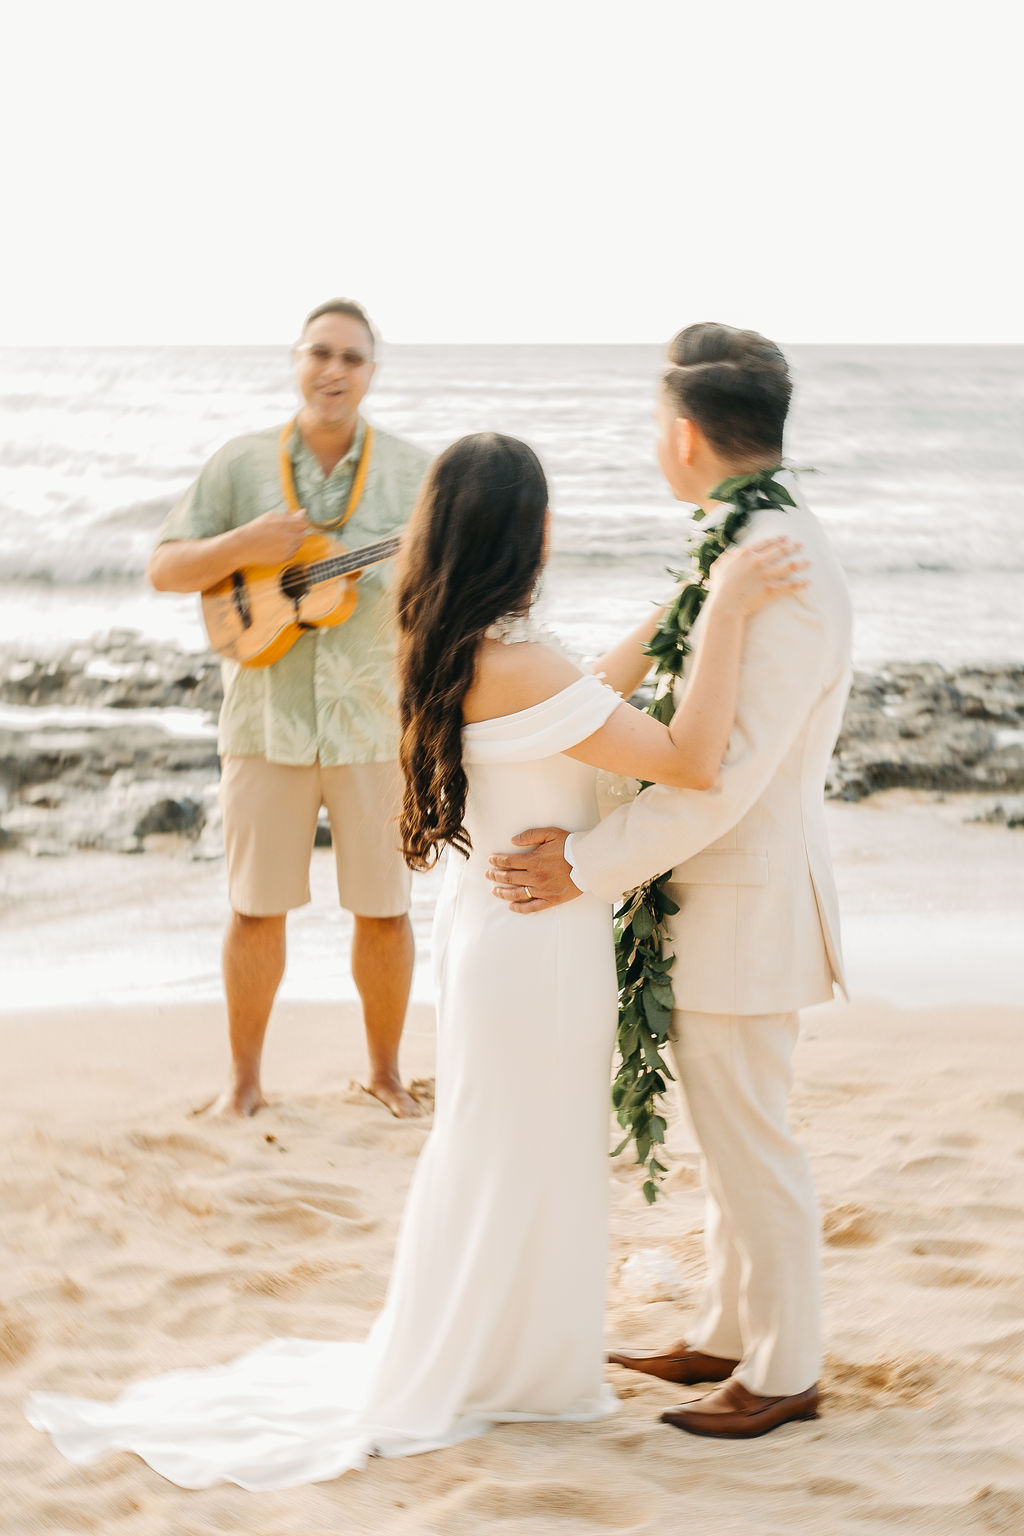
931,894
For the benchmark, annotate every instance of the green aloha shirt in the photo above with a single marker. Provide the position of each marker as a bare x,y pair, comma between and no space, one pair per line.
333,696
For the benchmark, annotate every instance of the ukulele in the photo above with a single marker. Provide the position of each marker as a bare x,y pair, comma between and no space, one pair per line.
255,615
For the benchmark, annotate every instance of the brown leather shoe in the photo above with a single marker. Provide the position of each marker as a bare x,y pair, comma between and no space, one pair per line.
680,1364
733,1413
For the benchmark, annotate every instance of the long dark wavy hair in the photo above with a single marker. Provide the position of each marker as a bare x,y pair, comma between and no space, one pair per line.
472,553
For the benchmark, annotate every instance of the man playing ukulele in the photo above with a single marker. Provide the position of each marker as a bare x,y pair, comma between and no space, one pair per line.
318,726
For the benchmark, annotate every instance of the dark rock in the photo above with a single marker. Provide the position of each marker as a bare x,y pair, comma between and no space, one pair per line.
120,670
77,779
922,727
185,817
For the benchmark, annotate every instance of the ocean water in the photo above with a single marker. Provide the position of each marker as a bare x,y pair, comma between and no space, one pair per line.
919,453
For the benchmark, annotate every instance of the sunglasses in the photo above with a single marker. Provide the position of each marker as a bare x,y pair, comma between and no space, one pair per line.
316,352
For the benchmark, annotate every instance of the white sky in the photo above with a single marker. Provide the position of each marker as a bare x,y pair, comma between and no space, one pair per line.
511,170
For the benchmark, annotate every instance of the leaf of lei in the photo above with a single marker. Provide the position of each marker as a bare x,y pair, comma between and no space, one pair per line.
645,988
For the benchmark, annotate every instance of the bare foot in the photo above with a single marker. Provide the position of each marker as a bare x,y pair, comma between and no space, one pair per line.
235,1100
396,1098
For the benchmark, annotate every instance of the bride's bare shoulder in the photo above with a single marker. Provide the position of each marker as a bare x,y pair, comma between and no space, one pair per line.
509,678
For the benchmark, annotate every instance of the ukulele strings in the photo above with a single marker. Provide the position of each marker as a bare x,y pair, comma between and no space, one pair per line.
324,570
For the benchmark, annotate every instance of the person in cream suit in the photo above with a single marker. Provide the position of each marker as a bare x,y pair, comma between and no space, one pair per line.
757,934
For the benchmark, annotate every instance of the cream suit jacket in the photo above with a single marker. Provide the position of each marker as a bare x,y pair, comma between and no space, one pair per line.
758,926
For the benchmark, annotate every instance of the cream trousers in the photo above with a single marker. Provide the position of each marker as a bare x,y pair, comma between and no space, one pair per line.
762,1235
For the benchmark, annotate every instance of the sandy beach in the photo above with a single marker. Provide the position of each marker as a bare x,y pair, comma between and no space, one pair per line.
138,1235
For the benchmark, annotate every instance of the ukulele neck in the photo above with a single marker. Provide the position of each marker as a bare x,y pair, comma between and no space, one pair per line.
352,560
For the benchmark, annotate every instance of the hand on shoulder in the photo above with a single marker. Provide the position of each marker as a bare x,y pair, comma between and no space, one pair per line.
747,577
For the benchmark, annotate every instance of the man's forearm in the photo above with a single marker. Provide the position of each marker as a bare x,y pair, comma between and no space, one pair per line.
660,829
194,565
663,827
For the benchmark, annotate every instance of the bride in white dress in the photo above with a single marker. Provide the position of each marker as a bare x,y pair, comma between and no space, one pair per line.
495,1306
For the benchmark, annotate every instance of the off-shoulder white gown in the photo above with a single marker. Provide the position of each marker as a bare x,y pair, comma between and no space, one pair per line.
495,1306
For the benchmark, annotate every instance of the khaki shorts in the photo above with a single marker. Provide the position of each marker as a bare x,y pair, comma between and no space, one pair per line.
270,813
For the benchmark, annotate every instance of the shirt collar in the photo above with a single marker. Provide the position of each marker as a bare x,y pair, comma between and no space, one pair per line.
718,515
300,450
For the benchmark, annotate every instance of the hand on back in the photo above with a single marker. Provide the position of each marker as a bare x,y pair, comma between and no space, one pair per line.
746,578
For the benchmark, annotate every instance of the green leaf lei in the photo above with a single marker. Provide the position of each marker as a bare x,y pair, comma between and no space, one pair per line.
645,988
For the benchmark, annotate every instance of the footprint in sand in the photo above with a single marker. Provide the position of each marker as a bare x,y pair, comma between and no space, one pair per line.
291,1207
58,1515
196,1280
367,1135
947,1248
936,1164
1008,1347
628,1389
334,1199
108,1507
685,1175
832,1488
339,1200
28,1195
1013,1101
295,1221
17,1336
304,1207
191,1152
56,1292
1001,1509
850,1226
198,1202
287,1282
558,1502
1005,1216
861,1386
934,1274
357,1286
631,1440
960,1143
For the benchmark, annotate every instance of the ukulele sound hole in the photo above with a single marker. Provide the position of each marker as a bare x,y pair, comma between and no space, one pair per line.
240,597
294,583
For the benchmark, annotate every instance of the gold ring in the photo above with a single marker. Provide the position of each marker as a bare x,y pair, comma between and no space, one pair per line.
529,893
